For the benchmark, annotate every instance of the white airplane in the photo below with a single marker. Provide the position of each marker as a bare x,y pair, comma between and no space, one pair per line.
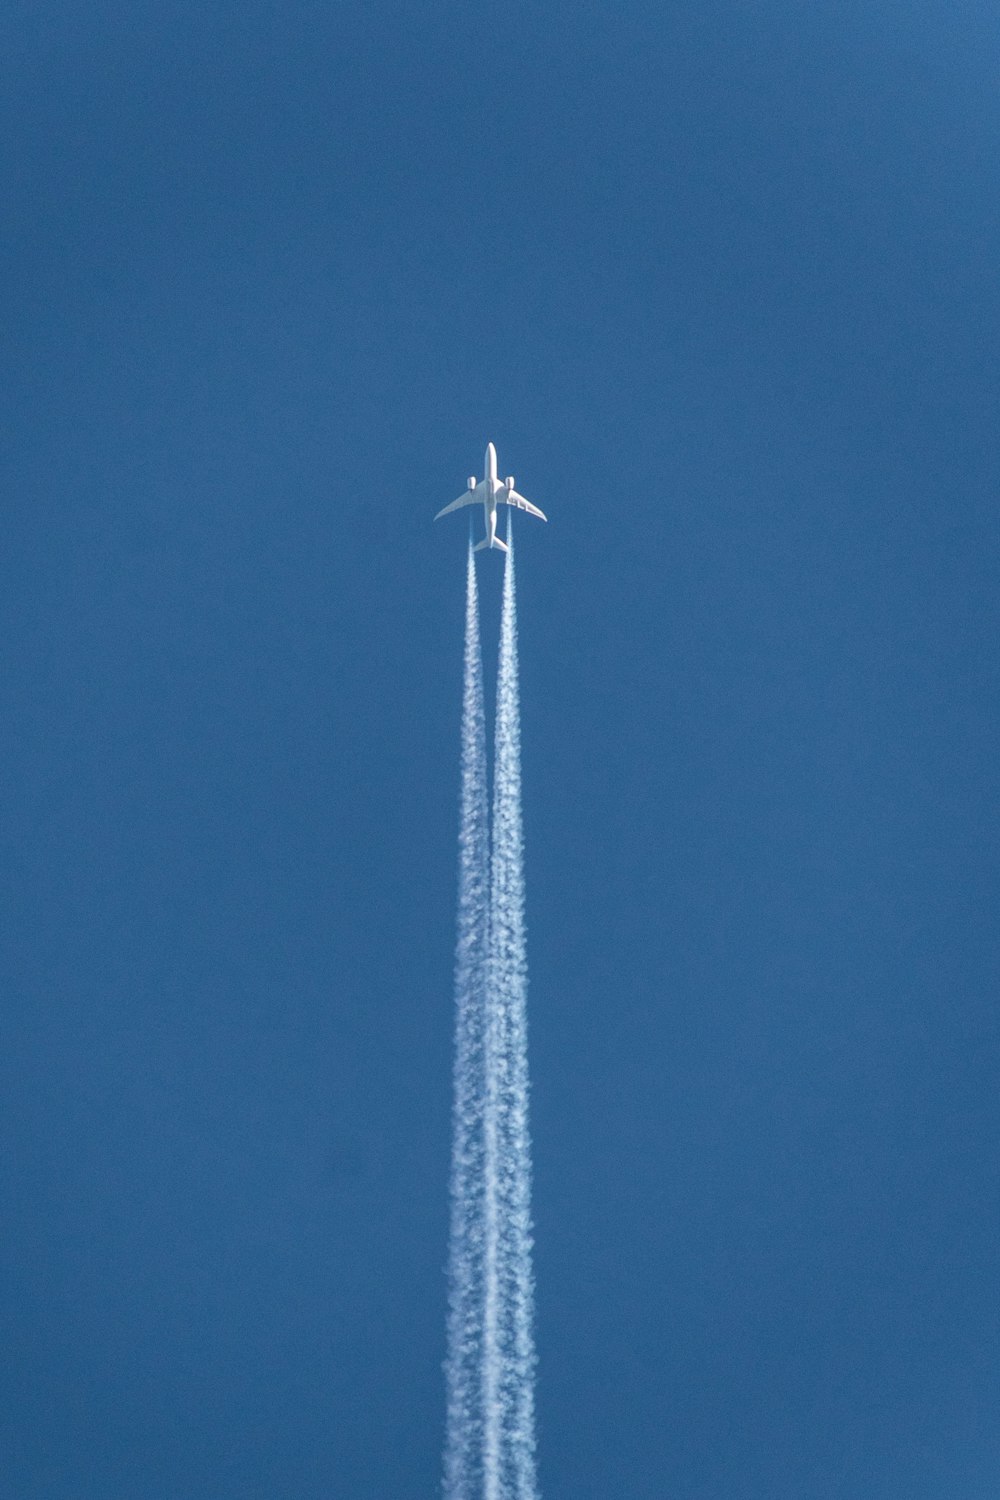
490,493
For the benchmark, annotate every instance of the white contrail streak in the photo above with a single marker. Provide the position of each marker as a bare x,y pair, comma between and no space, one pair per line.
507,1090
464,1364
490,1366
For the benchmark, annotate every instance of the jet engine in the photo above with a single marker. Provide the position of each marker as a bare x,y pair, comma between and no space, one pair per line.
509,481
472,481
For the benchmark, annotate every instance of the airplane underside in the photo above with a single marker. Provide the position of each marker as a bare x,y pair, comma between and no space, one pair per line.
490,492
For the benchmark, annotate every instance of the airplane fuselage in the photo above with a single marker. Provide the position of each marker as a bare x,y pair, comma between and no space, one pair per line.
489,491
491,488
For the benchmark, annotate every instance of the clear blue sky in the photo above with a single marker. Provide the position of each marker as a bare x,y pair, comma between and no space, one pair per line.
720,281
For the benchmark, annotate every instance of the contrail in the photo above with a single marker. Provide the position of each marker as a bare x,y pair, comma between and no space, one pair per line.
490,1366
464,1364
508,1262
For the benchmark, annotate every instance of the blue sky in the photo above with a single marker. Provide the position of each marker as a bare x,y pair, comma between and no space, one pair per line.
720,283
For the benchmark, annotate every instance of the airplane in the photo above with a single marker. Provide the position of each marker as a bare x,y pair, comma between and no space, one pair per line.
490,493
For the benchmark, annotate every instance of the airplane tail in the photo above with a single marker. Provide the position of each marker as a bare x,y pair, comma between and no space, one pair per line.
479,547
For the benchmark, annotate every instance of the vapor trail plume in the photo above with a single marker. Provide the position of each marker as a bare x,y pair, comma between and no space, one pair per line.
509,1416
463,1462
490,1445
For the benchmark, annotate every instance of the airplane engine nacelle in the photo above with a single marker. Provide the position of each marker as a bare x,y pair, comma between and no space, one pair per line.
509,481
472,481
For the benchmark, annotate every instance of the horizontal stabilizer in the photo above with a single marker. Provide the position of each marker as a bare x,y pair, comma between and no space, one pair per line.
486,542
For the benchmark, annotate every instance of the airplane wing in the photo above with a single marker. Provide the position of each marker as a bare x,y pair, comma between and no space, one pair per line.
471,497
511,497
